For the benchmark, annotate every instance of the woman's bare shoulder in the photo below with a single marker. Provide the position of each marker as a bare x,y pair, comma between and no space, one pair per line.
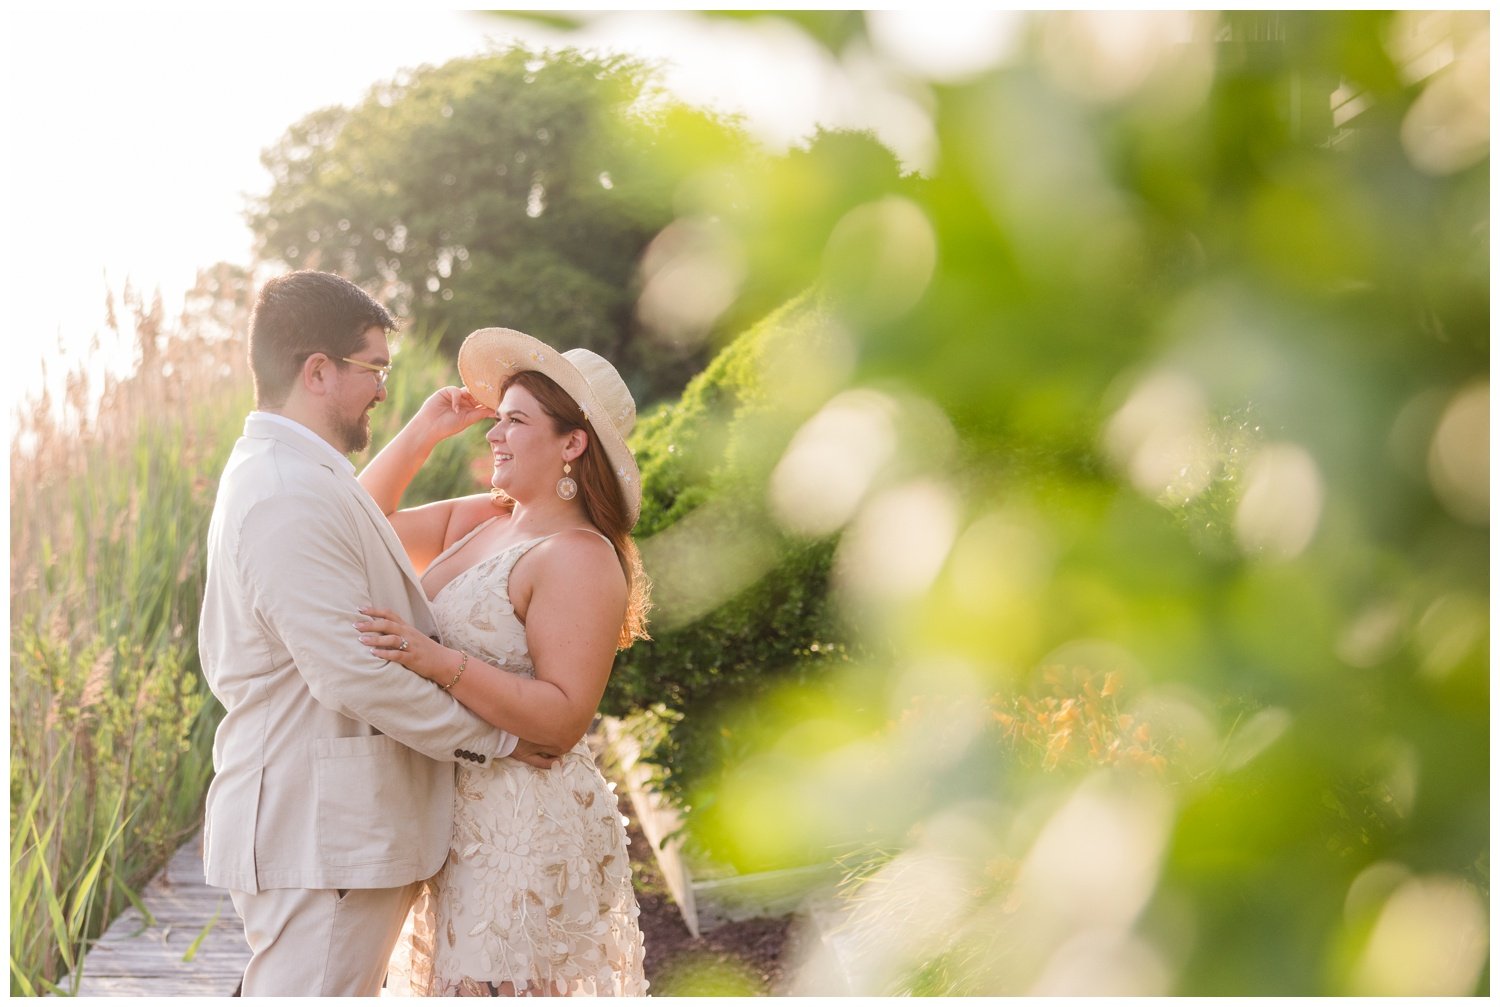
580,552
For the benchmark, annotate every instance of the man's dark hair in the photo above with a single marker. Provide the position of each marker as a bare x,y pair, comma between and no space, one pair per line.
303,313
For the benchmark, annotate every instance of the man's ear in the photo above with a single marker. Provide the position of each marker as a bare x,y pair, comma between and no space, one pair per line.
316,370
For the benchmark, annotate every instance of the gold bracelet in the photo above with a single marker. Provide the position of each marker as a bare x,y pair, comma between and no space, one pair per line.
461,666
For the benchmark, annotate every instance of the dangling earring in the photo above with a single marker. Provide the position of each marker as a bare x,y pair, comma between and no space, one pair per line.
567,488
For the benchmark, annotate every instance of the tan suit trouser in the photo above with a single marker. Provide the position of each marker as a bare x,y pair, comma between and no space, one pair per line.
315,942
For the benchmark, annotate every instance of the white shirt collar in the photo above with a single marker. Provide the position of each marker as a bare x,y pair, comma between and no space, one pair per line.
292,424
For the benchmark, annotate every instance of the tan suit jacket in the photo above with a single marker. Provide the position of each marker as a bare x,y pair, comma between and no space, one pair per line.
333,768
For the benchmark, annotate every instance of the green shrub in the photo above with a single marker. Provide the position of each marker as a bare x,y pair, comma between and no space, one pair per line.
739,602
1211,338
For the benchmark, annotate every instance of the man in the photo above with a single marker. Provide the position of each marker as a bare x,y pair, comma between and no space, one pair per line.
333,790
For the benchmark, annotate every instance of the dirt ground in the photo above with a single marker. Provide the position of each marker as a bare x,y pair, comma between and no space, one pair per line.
741,958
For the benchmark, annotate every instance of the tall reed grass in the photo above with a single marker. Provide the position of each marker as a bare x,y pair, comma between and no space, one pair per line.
111,726
111,721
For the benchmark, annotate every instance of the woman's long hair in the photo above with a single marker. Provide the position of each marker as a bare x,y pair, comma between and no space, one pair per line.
603,501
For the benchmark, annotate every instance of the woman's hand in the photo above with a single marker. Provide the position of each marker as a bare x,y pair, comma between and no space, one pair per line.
393,640
451,410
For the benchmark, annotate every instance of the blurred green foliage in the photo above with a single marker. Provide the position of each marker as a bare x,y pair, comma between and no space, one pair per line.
1191,311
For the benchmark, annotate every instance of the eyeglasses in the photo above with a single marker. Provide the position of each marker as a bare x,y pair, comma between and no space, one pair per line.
381,373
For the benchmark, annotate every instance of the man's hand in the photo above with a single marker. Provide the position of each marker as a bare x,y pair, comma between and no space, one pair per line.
534,755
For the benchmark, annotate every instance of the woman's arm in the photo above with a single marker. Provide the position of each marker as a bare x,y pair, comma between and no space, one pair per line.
422,530
573,620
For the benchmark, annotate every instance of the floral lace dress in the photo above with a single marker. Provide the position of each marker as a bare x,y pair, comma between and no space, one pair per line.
536,896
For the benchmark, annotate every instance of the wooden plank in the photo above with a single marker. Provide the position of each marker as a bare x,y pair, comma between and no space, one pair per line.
659,821
708,902
765,893
134,958
829,952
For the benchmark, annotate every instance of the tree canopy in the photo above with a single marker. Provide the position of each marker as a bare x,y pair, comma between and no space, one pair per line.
531,189
514,189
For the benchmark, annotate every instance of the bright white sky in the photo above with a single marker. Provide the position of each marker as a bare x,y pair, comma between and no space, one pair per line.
134,136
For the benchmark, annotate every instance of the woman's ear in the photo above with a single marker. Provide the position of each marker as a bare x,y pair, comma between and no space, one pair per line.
574,444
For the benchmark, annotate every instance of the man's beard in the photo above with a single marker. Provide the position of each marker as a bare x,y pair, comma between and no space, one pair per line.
353,434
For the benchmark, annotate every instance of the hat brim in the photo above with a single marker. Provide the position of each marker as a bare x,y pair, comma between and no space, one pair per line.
487,359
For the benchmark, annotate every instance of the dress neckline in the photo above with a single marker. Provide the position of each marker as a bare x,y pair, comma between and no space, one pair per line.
490,558
473,566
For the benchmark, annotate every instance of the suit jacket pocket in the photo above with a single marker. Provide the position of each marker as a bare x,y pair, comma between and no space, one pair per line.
369,788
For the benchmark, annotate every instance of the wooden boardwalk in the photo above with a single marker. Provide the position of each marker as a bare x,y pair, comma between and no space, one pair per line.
135,957
194,943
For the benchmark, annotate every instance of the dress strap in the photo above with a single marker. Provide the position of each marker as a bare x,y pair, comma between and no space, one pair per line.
594,531
515,551
542,538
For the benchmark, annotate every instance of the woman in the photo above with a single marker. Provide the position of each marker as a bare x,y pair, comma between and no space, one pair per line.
534,587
